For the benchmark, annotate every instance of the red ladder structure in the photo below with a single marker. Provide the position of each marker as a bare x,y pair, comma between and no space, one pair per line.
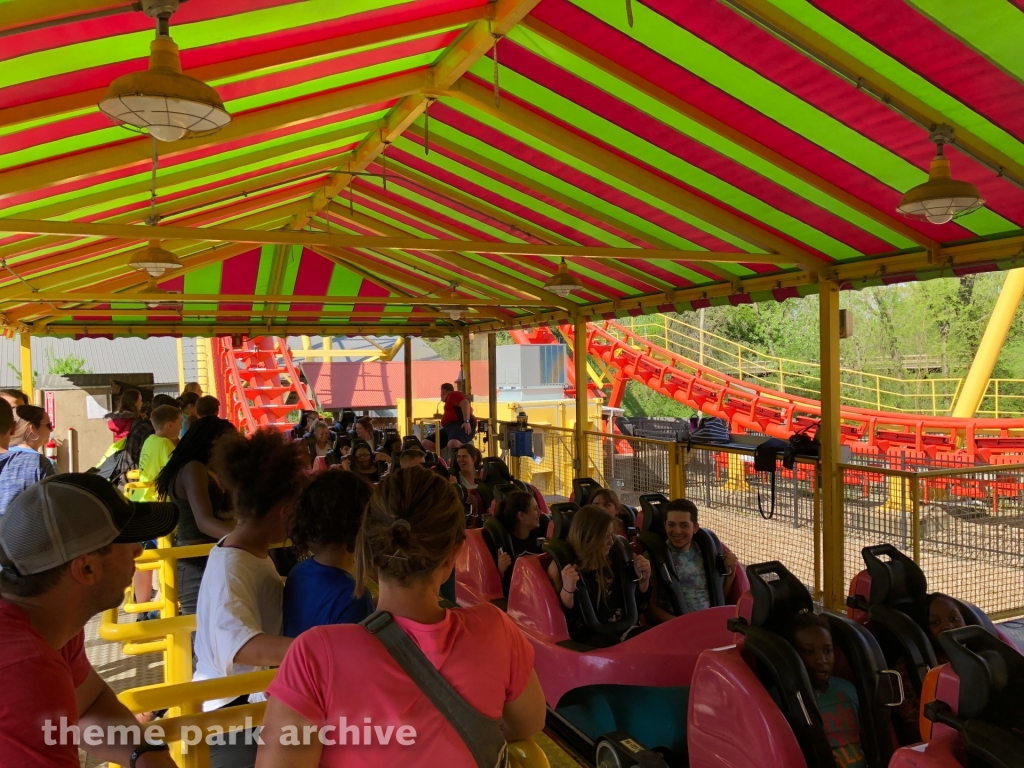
260,384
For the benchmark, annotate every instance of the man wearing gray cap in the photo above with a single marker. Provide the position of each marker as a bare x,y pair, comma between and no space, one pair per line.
67,549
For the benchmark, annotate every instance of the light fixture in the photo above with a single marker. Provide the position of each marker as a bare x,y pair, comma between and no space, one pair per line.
563,282
456,312
162,100
153,295
432,332
942,198
154,260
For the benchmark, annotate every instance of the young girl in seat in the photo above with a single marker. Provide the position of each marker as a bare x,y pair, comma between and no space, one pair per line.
592,536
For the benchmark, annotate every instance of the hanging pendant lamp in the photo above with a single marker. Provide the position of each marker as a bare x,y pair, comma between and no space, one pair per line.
563,282
153,295
456,312
154,260
162,100
942,198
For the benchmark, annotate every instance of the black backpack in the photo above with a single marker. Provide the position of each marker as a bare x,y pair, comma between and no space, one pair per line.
766,457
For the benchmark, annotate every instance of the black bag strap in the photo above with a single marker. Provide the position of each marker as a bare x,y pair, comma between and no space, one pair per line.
481,735
760,507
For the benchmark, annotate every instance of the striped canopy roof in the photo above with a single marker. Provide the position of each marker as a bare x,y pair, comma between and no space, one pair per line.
711,152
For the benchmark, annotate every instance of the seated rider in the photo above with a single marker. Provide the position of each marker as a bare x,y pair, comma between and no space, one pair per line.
934,613
836,698
520,515
688,562
592,536
457,421
470,464
608,500
321,589
320,444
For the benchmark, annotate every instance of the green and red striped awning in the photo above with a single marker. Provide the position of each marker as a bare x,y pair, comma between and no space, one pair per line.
782,127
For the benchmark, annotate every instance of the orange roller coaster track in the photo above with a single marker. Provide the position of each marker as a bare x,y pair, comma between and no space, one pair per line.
749,407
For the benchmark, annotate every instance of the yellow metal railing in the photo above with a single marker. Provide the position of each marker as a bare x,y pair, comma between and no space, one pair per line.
190,729
928,396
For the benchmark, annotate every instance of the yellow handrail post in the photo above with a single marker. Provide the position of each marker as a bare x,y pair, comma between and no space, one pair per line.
27,384
878,393
833,544
916,519
997,396
677,471
816,523
580,361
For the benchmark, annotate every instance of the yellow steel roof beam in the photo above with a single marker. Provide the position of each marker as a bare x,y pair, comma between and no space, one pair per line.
214,235
780,250
726,131
478,38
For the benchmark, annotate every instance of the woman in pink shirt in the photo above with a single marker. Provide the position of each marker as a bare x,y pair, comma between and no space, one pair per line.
348,702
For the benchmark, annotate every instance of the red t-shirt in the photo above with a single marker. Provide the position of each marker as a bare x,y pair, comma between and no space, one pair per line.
38,685
342,671
453,409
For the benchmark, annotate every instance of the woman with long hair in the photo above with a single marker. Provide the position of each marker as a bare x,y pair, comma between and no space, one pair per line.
362,462
204,510
520,515
321,589
592,536
22,464
411,536
320,444
469,463
239,614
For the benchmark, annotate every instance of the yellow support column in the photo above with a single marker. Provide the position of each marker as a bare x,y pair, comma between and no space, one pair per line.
833,545
579,355
492,394
407,353
181,364
27,383
991,344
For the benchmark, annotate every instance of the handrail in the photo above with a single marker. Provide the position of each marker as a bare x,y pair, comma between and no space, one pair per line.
185,732
981,469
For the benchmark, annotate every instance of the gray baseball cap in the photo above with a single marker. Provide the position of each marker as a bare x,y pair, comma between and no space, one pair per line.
66,516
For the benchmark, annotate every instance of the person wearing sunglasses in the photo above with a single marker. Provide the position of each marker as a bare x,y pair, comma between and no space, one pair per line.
22,434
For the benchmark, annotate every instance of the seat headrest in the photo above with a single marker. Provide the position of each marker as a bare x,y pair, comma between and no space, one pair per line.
560,552
562,513
896,580
502,490
496,529
777,595
653,506
496,471
582,488
985,665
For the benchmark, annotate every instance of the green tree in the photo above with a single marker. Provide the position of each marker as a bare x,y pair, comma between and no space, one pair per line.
70,364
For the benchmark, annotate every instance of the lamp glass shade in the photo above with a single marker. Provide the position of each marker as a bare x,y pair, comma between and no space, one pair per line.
563,283
154,260
942,198
152,294
162,100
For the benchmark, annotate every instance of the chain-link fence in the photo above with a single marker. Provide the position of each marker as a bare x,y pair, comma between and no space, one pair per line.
631,466
964,524
756,519
965,527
